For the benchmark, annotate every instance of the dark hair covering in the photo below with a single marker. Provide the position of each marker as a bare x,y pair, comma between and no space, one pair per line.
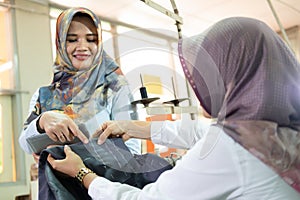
245,76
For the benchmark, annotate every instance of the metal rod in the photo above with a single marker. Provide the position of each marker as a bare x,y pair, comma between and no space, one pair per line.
174,91
279,24
178,25
142,80
163,10
189,95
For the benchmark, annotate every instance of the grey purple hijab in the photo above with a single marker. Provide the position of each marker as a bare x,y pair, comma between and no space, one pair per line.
247,78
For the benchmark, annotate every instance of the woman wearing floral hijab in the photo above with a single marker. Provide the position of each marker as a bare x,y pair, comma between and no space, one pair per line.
248,80
87,88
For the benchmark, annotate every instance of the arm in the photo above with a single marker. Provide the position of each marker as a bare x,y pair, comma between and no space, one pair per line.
181,134
177,134
72,159
58,126
30,129
91,181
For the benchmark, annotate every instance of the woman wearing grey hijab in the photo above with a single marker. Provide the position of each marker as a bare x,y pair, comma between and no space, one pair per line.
248,80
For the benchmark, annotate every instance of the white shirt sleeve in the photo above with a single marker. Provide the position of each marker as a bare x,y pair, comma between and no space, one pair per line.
31,130
178,134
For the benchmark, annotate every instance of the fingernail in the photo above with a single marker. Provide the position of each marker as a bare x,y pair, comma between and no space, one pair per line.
100,142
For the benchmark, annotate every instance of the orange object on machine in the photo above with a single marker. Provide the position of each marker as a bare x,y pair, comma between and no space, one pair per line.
150,145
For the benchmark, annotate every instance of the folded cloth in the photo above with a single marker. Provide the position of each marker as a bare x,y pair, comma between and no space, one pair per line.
111,160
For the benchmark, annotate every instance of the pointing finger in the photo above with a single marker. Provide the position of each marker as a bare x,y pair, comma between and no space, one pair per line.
76,132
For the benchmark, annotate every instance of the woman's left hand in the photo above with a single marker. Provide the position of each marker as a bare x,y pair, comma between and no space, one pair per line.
70,165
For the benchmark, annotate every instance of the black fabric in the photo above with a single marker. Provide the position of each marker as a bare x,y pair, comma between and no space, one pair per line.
111,160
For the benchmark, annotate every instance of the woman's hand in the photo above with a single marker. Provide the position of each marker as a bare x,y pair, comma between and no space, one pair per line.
70,165
125,129
111,129
60,127
36,158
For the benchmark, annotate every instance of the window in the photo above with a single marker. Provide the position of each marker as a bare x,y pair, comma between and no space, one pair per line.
6,72
7,154
150,56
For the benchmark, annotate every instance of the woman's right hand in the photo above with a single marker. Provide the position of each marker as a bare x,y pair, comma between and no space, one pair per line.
126,129
60,127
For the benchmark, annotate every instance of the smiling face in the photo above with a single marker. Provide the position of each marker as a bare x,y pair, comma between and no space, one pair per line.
82,42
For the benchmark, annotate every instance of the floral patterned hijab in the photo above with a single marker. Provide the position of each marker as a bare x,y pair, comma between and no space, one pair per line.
79,93
247,78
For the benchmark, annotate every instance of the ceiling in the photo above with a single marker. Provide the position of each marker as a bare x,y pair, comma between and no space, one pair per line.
197,14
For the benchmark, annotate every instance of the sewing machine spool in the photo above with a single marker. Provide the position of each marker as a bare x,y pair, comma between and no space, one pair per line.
175,101
145,100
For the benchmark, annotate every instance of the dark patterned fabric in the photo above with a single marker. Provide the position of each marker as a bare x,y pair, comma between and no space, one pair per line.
111,160
247,78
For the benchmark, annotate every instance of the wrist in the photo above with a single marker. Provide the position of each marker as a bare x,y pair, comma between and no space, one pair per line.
38,127
140,129
82,173
88,179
